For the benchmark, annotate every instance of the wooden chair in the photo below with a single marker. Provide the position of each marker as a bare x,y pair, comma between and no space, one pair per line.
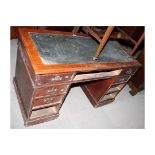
102,38
102,41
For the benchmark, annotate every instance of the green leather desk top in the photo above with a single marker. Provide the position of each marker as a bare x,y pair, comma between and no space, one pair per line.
62,49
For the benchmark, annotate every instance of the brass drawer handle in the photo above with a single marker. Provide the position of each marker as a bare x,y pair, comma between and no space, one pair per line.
48,99
52,90
56,78
62,90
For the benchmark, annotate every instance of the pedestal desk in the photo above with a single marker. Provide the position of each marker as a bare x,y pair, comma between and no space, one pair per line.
49,62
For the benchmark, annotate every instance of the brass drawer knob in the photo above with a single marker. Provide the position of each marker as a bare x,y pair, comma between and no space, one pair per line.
62,90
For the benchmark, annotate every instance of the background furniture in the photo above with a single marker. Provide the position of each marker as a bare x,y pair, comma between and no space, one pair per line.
14,29
137,82
103,36
124,32
102,41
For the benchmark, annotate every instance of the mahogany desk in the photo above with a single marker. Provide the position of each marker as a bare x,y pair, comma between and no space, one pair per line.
48,63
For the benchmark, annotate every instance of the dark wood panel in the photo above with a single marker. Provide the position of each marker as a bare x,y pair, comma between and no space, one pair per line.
134,31
96,89
14,30
47,102
51,91
24,83
57,28
138,80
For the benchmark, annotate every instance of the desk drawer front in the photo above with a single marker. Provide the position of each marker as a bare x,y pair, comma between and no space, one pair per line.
52,90
53,111
101,103
121,79
54,78
115,88
99,75
128,71
47,101
109,96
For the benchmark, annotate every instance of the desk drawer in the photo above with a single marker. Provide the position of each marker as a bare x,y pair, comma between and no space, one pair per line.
109,96
53,111
99,75
47,101
115,88
54,78
52,90
128,71
104,102
121,79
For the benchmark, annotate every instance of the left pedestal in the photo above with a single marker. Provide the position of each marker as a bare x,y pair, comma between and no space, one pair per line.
37,104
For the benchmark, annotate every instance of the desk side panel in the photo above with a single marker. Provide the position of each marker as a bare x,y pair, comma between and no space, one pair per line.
24,83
